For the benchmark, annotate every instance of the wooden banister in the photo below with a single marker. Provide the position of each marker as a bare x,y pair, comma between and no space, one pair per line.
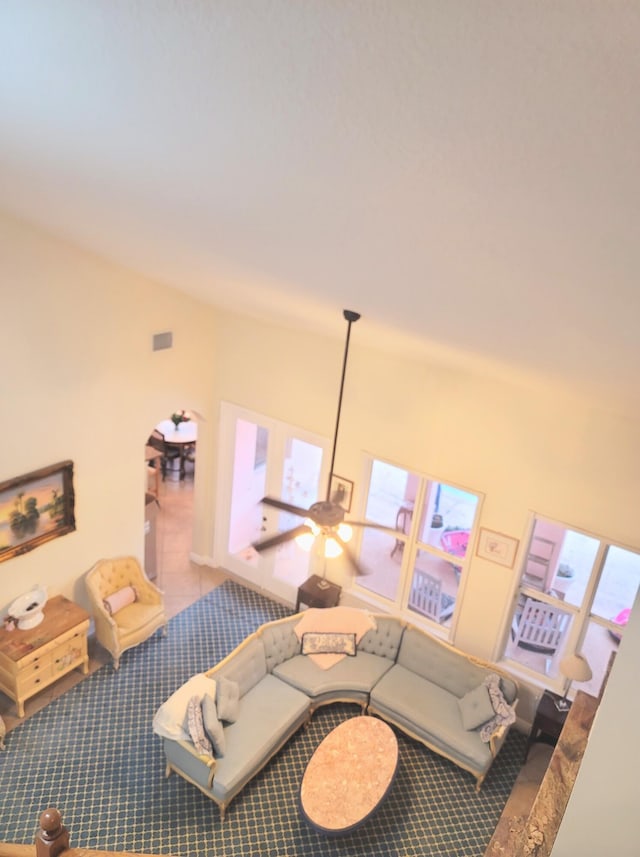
52,839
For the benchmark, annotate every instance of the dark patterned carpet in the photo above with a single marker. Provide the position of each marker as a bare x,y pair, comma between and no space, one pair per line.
92,754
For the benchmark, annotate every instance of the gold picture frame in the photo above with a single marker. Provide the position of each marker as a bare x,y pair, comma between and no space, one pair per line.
35,508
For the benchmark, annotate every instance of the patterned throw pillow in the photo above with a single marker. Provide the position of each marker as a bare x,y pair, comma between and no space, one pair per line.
212,724
328,643
228,699
196,727
504,714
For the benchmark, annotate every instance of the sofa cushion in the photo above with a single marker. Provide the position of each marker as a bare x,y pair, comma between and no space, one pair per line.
359,674
227,699
267,712
212,724
280,642
246,665
436,661
170,719
431,713
476,707
384,640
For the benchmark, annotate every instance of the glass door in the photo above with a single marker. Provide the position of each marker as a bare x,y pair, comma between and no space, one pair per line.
263,457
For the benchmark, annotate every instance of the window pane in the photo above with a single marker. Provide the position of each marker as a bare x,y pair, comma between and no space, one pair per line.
448,518
390,489
618,585
382,571
434,586
575,564
300,479
538,636
597,648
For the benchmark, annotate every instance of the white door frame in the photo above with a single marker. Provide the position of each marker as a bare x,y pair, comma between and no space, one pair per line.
260,570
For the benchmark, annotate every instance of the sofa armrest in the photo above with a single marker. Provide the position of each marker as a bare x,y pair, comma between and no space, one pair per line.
148,592
203,758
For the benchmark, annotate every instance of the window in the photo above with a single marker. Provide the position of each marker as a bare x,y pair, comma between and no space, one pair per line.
575,594
419,567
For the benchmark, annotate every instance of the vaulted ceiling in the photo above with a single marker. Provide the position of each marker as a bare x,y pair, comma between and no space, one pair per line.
465,174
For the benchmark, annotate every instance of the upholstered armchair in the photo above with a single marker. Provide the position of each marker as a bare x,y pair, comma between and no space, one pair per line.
127,607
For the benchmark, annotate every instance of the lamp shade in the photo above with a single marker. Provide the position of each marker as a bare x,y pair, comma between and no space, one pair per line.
575,668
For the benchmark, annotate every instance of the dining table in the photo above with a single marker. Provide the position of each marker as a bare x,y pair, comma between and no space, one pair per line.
184,436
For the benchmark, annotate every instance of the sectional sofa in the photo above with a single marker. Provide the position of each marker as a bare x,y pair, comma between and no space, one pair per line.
455,705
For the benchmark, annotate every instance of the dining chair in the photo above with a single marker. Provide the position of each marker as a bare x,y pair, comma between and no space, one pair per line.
169,453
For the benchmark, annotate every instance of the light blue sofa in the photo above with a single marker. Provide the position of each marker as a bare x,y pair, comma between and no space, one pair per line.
399,673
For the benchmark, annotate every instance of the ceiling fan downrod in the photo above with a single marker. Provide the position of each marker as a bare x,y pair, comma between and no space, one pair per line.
350,317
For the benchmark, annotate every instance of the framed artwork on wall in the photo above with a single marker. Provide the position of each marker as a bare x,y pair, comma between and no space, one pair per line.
497,547
35,508
341,492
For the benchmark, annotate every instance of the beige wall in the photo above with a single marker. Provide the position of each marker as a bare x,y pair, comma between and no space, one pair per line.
79,381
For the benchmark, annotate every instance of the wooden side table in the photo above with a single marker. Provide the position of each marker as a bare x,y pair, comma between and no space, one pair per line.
314,594
33,659
548,722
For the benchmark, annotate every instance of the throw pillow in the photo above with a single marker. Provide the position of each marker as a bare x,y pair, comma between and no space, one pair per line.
196,726
504,714
212,724
169,720
475,707
117,600
325,643
228,699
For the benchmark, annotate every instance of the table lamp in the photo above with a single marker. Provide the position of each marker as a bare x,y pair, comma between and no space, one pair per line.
575,668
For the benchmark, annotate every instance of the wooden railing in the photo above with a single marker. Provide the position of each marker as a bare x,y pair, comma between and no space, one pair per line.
52,840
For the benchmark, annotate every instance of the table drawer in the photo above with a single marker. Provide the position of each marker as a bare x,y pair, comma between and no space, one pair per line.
30,684
37,665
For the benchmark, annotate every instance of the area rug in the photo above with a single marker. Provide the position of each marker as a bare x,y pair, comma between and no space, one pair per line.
92,754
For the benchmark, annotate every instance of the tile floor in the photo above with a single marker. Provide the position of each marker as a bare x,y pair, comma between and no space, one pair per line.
184,582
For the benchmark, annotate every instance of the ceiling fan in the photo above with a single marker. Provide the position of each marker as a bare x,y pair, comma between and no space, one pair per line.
324,519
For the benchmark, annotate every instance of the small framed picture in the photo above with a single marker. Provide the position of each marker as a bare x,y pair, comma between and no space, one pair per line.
497,547
341,492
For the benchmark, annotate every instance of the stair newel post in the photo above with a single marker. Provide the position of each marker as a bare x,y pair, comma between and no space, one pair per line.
52,837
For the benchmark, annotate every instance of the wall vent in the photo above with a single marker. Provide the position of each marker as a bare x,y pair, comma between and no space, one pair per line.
162,340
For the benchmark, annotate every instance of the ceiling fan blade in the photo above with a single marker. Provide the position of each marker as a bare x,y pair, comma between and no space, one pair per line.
390,530
359,570
286,507
280,538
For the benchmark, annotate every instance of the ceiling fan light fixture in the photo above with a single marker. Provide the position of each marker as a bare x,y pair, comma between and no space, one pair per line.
331,548
305,541
345,532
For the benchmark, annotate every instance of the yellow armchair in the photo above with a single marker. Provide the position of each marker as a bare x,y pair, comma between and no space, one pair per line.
124,626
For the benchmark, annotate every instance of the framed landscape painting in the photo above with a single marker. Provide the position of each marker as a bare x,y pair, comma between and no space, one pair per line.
36,508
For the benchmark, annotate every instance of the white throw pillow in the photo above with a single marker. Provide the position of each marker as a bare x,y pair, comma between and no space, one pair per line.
169,720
